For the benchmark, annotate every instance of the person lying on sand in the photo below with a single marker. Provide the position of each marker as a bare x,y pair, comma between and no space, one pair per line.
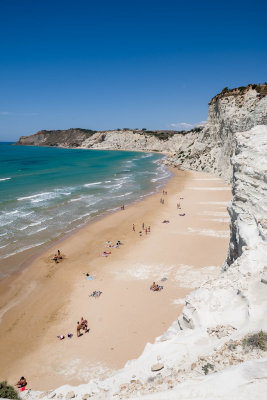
165,221
55,259
21,383
155,288
106,253
95,294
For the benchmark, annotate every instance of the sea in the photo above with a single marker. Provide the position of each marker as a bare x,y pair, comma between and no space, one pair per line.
47,193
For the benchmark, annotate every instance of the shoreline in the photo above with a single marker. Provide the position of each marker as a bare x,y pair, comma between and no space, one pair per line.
34,253
63,236
39,343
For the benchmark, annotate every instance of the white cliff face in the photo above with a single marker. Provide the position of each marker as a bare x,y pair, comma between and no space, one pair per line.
249,206
208,336
210,150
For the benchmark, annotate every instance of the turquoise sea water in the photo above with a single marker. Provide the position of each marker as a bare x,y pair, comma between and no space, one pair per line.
46,192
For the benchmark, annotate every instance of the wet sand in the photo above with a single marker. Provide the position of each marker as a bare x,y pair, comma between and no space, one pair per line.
47,299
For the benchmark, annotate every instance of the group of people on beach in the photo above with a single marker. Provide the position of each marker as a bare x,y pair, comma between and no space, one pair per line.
155,287
57,257
82,325
146,229
164,192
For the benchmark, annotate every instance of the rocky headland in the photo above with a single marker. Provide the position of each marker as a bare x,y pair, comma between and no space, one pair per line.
217,348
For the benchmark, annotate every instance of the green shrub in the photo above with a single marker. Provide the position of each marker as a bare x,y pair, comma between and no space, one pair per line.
257,340
207,367
8,391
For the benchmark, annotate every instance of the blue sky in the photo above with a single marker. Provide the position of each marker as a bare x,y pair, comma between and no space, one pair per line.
115,64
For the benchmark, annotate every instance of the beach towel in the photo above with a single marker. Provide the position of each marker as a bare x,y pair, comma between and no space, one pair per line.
90,278
164,279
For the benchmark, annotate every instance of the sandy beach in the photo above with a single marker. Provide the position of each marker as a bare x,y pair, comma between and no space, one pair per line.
47,299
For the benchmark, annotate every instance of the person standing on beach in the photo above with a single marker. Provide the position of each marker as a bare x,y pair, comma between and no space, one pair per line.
143,226
148,229
133,227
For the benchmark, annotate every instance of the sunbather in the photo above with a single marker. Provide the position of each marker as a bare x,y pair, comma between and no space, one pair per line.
155,288
96,293
105,253
55,258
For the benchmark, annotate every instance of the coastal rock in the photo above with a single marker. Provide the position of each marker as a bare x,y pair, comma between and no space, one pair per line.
70,395
157,367
45,394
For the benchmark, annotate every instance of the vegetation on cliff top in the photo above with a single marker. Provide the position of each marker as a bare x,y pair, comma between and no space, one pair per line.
261,89
165,135
88,131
